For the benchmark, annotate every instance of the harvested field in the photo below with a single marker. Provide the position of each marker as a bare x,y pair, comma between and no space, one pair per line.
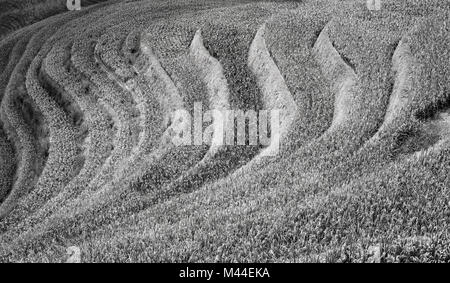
225,131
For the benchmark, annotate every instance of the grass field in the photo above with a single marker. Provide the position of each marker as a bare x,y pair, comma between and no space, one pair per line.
87,157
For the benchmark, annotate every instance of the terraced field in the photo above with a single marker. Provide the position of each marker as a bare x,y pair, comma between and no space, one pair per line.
87,131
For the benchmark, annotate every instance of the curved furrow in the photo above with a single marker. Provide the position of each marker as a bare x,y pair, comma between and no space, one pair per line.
276,95
283,44
138,77
150,122
127,74
229,47
25,125
95,123
172,161
182,161
343,81
401,103
83,60
290,38
119,101
404,66
145,136
159,86
172,100
406,128
98,145
375,150
116,101
9,159
102,57
432,83
337,71
123,70
9,162
212,73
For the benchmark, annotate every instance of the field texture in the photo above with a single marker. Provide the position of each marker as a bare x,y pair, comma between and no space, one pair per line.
87,151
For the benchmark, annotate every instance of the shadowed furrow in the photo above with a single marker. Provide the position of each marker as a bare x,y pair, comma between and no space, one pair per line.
341,75
126,72
9,145
287,36
212,74
276,95
117,103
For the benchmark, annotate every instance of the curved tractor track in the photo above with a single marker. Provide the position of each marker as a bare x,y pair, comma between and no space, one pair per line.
355,154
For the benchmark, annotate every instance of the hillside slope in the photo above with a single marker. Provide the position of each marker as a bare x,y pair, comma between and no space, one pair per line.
359,159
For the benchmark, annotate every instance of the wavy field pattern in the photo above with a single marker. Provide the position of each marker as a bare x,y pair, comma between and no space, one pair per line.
360,157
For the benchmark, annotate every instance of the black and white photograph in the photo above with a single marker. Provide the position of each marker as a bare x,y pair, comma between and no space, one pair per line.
240,134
